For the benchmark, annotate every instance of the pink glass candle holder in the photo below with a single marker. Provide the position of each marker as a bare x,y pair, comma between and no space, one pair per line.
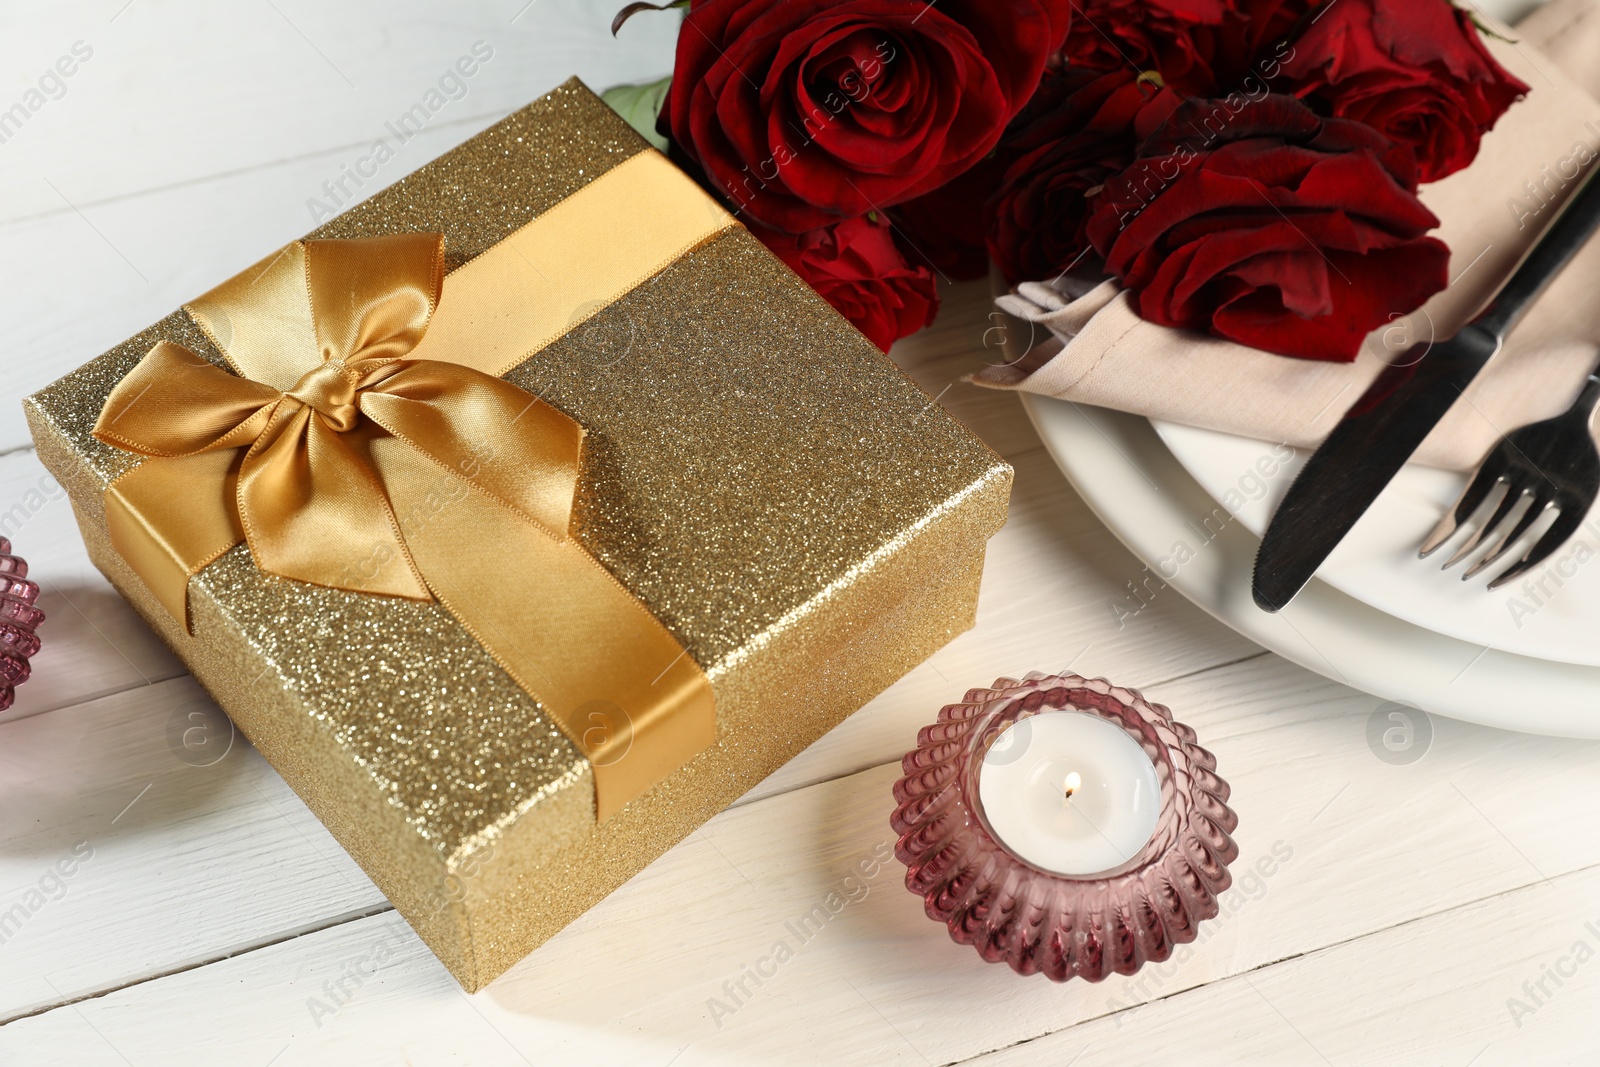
18,621
1034,918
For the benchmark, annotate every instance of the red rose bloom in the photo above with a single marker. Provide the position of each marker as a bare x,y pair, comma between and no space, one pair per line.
945,228
1082,127
1199,47
1414,70
803,111
1171,37
1263,223
855,266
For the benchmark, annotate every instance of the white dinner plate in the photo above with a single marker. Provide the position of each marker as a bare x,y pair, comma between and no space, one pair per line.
1138,488
1551,613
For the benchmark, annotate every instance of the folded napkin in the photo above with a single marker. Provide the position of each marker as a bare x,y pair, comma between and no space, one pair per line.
1096,350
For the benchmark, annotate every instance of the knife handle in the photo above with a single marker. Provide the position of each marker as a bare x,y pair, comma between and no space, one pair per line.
1569,232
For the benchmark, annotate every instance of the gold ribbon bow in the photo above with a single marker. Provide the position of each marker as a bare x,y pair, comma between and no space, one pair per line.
345,463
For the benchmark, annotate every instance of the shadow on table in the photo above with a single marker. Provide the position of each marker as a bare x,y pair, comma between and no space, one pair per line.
133,762
92,644
784,918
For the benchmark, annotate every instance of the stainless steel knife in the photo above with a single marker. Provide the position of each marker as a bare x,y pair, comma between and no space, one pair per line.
1382,429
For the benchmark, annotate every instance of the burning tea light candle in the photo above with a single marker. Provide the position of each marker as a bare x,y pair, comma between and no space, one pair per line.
1069,792
1064,826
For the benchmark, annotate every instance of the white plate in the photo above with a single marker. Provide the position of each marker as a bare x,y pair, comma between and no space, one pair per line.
1553,613
1137,488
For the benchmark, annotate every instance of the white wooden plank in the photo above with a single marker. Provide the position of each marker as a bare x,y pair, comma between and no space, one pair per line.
142,836
1511,980
93,642
176,91
398,1005
1362,847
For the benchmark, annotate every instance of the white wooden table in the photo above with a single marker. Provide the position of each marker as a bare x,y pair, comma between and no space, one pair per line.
1443,911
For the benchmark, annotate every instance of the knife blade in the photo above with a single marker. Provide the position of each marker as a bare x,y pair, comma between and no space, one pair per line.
1381,430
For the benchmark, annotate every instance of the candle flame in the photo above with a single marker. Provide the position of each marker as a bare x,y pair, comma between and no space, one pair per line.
1073,782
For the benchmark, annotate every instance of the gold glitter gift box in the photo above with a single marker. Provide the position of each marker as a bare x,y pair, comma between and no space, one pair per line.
807,523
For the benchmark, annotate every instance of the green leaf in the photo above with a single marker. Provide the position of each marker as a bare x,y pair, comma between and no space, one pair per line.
639,105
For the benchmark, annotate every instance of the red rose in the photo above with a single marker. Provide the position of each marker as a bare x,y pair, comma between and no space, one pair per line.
1263,223
1199,47
1171,37
1414,70
1082,127
803,111
855,266
945,228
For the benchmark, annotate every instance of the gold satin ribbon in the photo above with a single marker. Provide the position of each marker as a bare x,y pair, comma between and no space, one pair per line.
367,443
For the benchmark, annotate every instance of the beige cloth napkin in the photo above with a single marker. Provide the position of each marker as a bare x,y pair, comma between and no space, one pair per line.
1097,351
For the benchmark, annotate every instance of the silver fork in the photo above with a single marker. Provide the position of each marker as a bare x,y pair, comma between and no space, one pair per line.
1553,465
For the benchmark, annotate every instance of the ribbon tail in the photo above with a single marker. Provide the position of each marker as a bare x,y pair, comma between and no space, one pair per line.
616,681
170,517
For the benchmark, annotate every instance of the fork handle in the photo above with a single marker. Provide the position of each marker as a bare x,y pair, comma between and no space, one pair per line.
1569,232
1589,396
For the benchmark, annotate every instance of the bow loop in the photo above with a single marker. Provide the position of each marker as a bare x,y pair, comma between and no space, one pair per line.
357,302
310,495
372,299
174,403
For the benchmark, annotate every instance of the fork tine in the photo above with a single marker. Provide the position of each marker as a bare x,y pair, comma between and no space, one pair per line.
1472,497
1513,494
1536,507
1560,531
